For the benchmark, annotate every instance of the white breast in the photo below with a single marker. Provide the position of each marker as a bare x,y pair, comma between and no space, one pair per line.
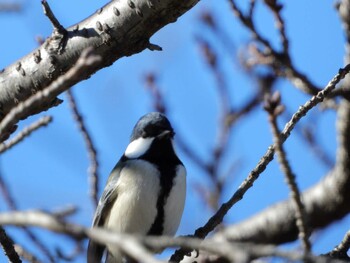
135,208
175,202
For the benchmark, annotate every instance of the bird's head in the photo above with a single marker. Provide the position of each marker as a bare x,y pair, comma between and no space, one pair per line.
150,127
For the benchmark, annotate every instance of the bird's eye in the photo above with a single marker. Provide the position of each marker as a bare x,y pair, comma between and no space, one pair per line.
144,134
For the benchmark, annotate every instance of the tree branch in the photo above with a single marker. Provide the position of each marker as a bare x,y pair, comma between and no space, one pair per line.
324,203
134,245
91,149
27,131
120,28
7,244
274,108
86,61
217,218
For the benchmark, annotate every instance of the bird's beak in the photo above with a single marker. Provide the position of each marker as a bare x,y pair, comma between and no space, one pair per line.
166,135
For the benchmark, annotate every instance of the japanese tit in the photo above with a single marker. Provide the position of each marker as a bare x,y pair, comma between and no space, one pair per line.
145,192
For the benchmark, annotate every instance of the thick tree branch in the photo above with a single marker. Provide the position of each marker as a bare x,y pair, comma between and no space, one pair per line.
120,28
86,61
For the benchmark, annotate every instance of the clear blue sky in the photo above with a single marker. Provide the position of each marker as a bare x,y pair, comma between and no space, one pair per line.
49,169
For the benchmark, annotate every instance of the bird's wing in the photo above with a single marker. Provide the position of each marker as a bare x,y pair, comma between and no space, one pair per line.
95,250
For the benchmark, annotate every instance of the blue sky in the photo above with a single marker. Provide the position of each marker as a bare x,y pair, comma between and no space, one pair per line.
49,169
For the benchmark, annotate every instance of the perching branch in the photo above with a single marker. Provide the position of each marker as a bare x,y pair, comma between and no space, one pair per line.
135,246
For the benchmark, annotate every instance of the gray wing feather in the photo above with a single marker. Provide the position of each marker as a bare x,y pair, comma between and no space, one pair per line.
109,196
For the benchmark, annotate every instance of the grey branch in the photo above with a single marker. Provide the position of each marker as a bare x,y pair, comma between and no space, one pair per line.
118,29
134,246
91,149
324,203
127,244
86,61
341,251
27,131
274,108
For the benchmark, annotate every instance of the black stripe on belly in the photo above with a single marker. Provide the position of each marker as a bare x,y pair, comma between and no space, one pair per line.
161,154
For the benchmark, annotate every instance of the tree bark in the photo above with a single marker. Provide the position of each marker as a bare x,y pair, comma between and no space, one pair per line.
120,28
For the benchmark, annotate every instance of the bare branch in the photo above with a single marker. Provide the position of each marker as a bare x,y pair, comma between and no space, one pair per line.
134,246
54,21
7,244
341,251
86,61
217,218
274,108
276,8
279,61
130,245
118,29
93,168
27,131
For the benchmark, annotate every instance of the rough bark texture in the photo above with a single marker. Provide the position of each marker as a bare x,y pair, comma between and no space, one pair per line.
120,28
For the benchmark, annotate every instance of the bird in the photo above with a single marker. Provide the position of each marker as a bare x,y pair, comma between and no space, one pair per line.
146,190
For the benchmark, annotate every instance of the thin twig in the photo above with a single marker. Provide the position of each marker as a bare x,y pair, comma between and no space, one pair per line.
279,61
341,251
276,8
86,60
54,21
8,247
274,108
91,149
217,218
43,121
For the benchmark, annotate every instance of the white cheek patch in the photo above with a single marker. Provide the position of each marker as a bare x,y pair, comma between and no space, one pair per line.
138,147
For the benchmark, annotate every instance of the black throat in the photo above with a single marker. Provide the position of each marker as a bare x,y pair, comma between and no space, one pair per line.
161,154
